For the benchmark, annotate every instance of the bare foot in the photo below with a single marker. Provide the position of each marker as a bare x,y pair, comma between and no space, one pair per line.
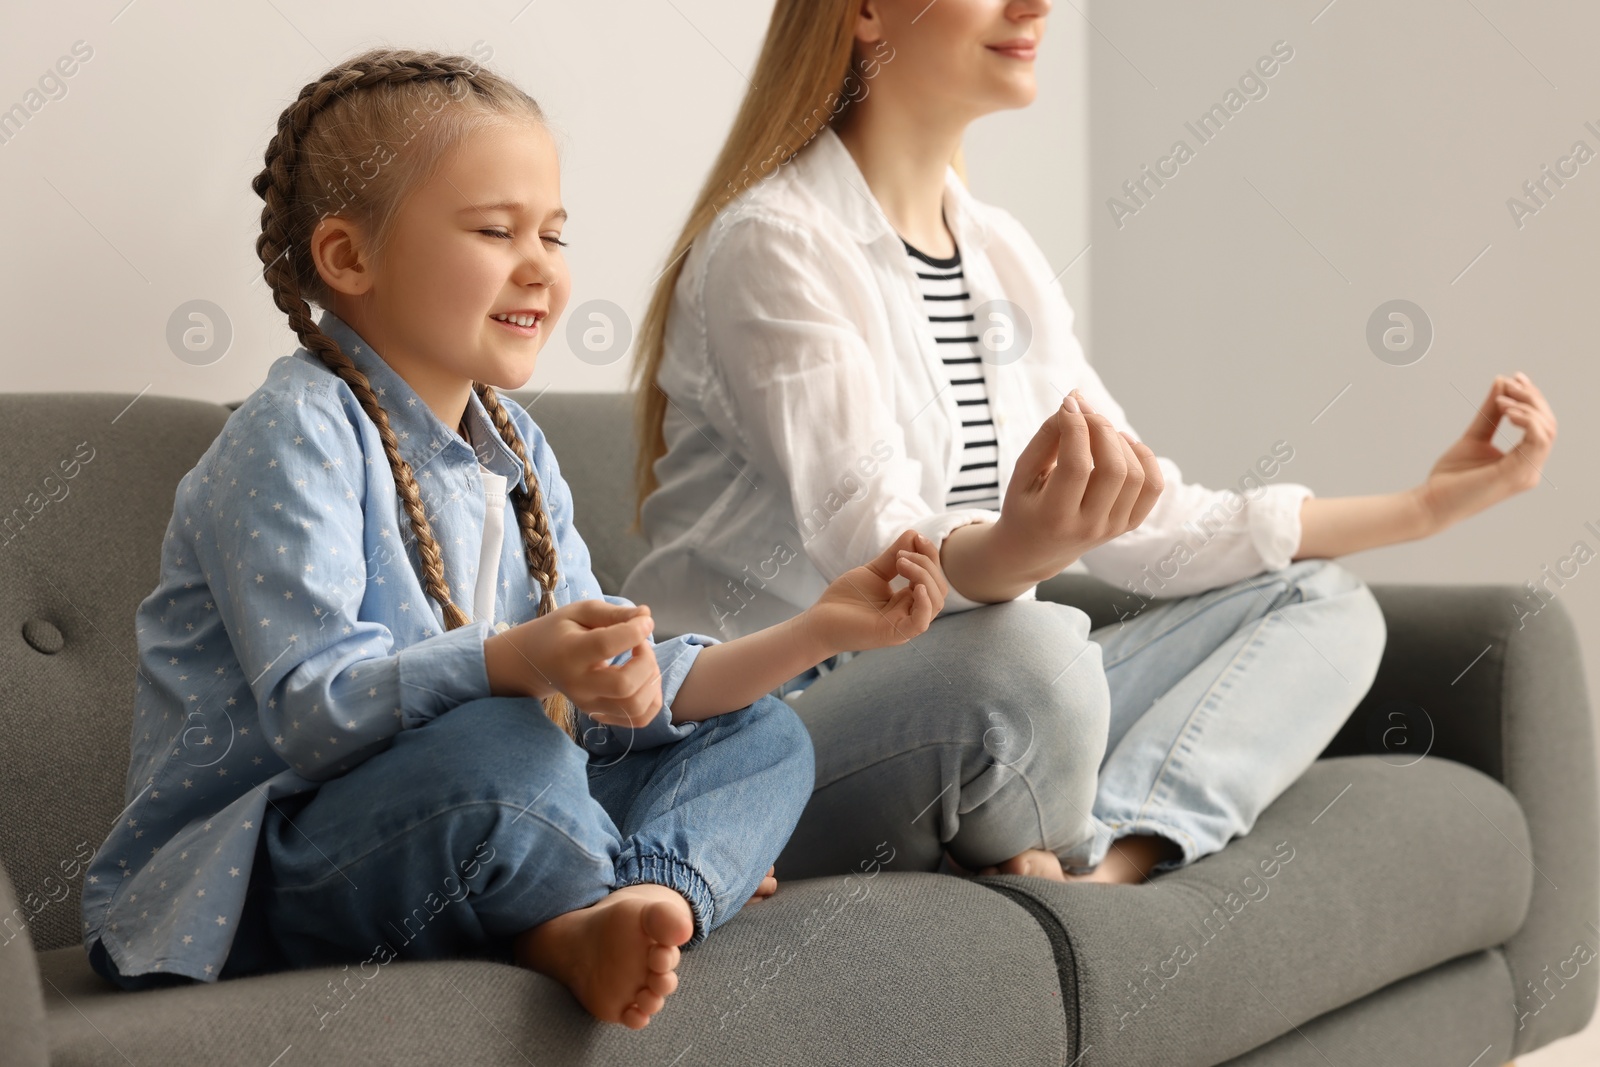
619,956
768,886
1035,861
1130,860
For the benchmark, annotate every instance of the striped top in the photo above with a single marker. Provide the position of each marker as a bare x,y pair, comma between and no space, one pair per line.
949,309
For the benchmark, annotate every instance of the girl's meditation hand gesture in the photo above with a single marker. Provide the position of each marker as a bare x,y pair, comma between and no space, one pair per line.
862,608
570,650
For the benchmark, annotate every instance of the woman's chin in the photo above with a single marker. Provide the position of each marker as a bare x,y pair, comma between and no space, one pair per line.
1017,91
1024,93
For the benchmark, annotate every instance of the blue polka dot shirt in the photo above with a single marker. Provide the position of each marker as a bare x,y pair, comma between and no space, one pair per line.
290,638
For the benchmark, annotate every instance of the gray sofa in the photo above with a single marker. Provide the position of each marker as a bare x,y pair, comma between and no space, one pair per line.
1418,897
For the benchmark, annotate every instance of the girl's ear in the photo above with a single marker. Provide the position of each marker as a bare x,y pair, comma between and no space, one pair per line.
339,251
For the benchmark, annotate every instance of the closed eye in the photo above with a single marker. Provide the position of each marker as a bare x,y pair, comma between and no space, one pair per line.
506,235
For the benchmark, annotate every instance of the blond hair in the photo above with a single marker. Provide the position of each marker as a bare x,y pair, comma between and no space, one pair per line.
802,83
803,64
354,143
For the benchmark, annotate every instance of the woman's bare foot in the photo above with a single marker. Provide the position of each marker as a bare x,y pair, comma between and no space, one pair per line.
1035,861
768,886
619,956
1130,860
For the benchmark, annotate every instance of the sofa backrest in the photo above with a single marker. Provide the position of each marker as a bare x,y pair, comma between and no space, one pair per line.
592,436
86,489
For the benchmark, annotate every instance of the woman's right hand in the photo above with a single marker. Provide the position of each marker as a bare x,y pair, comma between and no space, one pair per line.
570,650
1079,483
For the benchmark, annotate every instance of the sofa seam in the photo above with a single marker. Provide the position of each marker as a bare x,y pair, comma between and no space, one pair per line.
1066,960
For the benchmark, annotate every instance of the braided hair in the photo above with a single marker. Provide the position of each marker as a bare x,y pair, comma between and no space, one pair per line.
382,112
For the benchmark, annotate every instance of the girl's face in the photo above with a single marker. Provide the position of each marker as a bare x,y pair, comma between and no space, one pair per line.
480,239
960,58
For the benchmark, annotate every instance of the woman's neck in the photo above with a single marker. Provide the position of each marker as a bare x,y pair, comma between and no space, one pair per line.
904,166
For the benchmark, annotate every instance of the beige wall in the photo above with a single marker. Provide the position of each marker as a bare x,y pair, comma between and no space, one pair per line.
129,195
1231,308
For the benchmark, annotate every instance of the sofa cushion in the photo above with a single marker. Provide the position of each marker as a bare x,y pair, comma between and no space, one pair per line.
22,1032
1363,873
899,968
1452,1016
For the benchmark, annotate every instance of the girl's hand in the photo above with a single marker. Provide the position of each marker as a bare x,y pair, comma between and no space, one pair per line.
571,650
1474,474
860,610
1079,483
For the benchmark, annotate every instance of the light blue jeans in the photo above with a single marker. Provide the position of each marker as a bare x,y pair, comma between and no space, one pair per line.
1013,726
1221,700
489,820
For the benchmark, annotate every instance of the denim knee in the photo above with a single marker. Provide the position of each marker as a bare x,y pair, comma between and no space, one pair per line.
500,750
773,726
1360,622
1030,665
1032,691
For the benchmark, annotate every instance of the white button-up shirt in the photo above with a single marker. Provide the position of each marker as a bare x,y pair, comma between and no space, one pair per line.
810,421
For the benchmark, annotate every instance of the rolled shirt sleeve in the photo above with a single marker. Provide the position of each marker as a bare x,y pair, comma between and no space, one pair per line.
675,657
1195,538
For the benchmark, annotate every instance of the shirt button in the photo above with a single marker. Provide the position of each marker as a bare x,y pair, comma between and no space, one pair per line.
501,627
1000,419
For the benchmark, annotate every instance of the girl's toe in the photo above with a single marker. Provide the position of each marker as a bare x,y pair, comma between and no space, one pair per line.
663,984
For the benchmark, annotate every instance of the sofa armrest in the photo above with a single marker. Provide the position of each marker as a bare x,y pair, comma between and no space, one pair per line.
22,1029
1468,675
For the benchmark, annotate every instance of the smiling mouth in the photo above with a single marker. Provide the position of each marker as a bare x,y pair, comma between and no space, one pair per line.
525,325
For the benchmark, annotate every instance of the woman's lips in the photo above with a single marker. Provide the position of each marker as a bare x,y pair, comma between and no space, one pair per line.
1015,51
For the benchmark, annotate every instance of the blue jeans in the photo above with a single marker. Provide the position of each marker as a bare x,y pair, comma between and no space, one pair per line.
1222,699
1014,726
489,820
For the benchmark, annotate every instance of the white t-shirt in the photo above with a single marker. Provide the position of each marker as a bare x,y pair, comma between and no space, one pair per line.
494,532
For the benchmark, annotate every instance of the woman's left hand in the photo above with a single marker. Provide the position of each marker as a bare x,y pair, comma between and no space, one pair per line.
1475,474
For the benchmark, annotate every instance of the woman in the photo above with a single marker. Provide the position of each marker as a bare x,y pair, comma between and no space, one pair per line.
826,362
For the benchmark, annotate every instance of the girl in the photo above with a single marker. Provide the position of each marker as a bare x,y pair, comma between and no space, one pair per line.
332,759
838,293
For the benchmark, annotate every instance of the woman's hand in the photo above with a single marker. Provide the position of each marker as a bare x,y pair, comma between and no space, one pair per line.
860,610
1079,483
1474,474
570,650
